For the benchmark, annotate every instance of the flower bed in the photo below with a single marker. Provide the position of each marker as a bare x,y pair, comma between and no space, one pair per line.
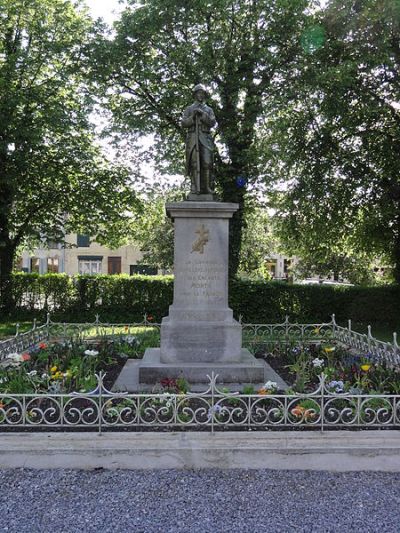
346,370
65,380
66,366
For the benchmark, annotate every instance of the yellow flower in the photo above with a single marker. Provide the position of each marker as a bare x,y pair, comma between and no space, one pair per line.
262,392
365,367
329,349
53,369
316,331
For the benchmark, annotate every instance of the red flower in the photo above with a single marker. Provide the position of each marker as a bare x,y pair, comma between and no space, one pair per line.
42,345
25,357
150,318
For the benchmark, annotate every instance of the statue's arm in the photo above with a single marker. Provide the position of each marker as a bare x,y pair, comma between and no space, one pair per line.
208,118
187,119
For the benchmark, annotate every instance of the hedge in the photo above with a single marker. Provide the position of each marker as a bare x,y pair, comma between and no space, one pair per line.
271,302
125,297
78,298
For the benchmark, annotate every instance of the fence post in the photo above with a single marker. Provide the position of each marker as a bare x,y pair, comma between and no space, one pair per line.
100,391
212,401
333,325
48,325
395,345
369,337
322,402
287,329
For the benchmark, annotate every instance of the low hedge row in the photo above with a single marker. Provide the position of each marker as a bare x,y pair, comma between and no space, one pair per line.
315,303
130,297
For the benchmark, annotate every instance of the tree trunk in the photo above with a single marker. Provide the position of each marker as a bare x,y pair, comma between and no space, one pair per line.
232,193
396,254
7,253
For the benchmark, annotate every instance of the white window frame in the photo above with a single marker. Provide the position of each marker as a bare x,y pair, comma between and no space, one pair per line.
90,266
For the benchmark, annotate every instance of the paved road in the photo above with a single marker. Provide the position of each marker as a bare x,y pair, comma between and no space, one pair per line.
198,501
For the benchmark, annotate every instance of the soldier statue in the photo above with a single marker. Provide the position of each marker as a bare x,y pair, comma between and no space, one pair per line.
198,119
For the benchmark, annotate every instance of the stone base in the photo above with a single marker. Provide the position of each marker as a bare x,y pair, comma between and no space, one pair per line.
199,341
142,374
201,197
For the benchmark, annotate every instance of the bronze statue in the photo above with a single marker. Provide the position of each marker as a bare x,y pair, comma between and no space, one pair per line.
198,118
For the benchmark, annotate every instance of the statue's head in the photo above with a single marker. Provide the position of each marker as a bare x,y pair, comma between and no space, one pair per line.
200,92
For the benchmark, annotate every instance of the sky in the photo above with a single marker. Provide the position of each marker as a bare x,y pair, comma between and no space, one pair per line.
106,9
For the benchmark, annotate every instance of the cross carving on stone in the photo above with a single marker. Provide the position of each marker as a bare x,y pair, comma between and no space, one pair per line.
202,240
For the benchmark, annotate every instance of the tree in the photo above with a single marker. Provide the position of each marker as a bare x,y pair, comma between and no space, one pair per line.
242,50
153,232
354,269
53,178
338,134
258,242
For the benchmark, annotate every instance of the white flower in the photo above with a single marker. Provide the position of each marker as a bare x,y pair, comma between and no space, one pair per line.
92,353
270,385
45,376
318,363
130,339
32,373
15,357
338,386
217,409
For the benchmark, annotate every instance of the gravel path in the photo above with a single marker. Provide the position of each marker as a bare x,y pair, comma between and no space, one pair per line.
198,501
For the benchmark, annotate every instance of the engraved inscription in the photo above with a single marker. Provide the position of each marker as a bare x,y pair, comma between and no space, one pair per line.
202,240
201,281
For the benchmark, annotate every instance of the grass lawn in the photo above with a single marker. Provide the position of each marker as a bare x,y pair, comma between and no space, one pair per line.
8,329
382,333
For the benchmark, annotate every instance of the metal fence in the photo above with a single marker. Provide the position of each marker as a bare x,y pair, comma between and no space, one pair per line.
211,410
254,335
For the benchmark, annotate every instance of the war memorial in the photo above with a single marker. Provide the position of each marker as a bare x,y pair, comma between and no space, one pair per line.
199,336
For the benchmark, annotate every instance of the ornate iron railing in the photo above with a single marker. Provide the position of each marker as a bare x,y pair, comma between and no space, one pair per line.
254,335
211,410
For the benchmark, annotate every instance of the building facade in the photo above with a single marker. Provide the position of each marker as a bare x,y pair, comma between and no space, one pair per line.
82,256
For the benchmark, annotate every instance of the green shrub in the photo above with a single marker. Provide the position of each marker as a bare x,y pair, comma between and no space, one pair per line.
270,302
127,298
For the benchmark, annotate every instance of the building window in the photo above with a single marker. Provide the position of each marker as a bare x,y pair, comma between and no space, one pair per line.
271,266
287,263
142,269
89,265
83,241
18,265
52,265
114,265
35,264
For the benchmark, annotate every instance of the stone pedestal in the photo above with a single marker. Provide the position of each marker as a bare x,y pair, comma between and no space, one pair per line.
200,327
199,335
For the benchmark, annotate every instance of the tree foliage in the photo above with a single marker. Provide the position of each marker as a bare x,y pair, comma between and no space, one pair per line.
153,231
258,242
357,269
53,177
243,50
336,139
